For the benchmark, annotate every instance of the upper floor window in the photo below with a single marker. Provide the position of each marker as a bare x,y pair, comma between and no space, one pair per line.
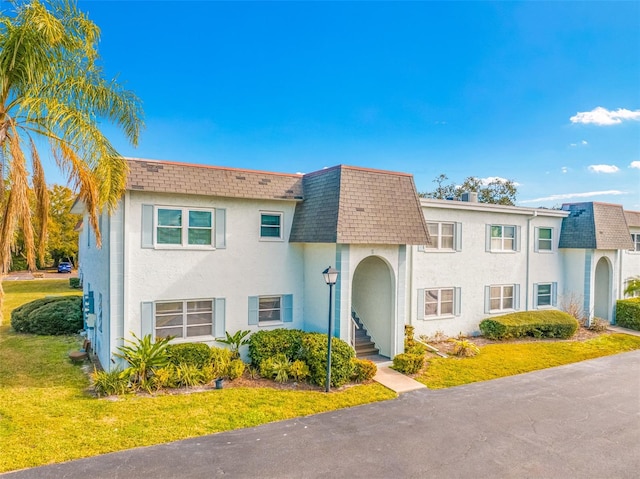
501,297
271,226
544,239
184,227
444,237
635,237
503,238
168,226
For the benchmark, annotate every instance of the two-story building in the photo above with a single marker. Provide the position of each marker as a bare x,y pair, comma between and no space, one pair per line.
193,251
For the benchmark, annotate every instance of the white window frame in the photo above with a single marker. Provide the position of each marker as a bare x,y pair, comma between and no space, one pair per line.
501,297
439,302
184,228
503,238
550,249
279,309
280,237
635,238
550,295
436,239
185,314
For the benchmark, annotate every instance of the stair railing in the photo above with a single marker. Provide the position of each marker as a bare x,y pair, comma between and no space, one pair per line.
354,327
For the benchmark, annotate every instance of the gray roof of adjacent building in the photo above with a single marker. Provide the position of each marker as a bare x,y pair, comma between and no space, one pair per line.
633,218
351,205
595,225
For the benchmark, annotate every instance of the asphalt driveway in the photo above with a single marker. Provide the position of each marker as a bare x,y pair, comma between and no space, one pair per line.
575,421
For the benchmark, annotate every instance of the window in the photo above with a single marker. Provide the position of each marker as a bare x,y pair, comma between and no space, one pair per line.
271,226
503,238
438,302
545,295
544,239
635,237
501,297
269,308
172,229
273,309
441,235
184,319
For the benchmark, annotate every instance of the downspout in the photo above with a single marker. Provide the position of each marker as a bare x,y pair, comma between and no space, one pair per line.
527,273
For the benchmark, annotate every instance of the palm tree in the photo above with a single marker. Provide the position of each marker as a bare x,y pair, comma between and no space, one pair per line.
52,88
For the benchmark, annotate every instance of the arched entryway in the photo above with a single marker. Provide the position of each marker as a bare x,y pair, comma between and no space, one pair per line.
602,290
373,300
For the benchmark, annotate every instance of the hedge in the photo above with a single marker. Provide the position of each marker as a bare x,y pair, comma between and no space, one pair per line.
628,313
313,351
49,316
266,344
539,324
192,354
408,363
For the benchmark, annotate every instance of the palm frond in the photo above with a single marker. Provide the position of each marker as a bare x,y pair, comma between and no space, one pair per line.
42,200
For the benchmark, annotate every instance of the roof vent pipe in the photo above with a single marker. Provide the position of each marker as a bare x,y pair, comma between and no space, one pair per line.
470,196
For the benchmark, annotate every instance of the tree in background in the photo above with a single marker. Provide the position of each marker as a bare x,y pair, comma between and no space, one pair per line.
52,87
633,286
496,191
62,243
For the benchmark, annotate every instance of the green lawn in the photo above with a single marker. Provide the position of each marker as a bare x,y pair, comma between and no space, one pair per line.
46,415
499,360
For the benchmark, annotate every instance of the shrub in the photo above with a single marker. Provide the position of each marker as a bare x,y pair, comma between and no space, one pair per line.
408,363
220,360
410,344
235,369
193,354
276,368
299,370
363,370
74,283
164,378
235,341
539,324
188,375
109,383
598,325
49,316
628,313
267,343
144,356
463,347
313,351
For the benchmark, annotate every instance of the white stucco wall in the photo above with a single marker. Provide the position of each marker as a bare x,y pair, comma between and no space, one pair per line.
630,266
248,266
473,268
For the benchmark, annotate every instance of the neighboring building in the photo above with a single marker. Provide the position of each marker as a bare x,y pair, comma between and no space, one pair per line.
193,251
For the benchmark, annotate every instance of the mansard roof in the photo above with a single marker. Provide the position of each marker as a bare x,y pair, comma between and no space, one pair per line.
633,218
351,205
595,226
170,177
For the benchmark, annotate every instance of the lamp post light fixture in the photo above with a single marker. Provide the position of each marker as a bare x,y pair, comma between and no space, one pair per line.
330,277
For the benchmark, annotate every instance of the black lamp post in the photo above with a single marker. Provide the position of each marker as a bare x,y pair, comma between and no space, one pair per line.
330,277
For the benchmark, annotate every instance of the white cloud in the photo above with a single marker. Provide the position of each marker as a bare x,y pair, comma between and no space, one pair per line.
603,168
602,116
564,169
635,164
584,142
489,179
568,196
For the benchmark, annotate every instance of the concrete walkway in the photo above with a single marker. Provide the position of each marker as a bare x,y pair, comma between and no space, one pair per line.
394,380
618,329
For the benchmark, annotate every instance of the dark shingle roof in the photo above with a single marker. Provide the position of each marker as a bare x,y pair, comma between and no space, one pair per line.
633,218
594,226
352,205
169,177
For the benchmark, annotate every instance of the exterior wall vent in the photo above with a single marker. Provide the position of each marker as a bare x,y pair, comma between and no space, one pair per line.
470,197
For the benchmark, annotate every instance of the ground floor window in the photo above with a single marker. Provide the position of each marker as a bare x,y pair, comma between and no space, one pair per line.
501,297
543,296
184,319
271,309
438,302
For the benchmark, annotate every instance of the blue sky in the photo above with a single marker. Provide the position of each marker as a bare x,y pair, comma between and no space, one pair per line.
544,93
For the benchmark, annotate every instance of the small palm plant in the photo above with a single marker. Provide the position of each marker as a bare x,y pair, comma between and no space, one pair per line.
239,338
144,357
463,347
